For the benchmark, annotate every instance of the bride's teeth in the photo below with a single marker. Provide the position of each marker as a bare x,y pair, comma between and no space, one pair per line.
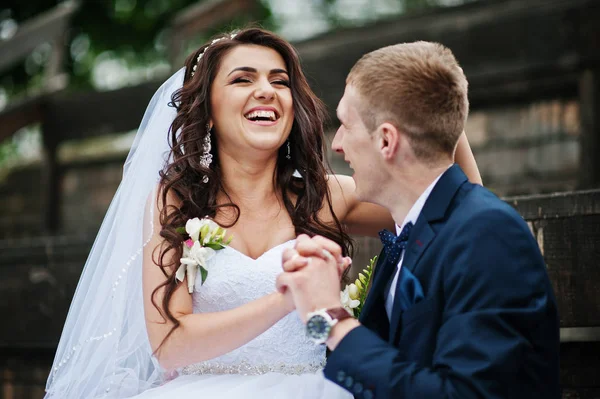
261,114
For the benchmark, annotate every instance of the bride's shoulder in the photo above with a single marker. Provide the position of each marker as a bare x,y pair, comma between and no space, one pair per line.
341,184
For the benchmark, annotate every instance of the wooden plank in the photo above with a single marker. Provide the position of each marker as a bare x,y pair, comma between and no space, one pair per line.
579,368
589,105
69,115
51,177
43,28
557,205
87,114
580,334
572,255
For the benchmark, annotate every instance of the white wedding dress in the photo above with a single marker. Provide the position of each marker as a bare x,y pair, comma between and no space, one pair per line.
279,363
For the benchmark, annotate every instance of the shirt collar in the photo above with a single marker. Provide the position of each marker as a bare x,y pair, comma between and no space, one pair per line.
417,207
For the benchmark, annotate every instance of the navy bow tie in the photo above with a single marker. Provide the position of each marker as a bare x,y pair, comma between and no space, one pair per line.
393,244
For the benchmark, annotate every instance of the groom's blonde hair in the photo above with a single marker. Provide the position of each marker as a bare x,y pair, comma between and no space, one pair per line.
419,88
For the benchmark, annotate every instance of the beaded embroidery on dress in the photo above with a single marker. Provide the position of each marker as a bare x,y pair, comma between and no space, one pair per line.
279,363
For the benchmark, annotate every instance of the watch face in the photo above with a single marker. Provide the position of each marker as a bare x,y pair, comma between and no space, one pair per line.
317,328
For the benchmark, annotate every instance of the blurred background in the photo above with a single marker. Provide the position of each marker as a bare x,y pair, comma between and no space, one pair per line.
75,78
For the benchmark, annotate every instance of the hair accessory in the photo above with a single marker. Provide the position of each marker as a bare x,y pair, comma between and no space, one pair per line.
232,36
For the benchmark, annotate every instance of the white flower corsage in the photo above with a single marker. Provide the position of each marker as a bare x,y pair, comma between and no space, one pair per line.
205,238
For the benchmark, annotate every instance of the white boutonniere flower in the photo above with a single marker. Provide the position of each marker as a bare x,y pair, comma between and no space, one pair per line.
354,295
349,297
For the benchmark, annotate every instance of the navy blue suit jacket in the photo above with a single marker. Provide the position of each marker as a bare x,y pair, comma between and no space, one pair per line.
488,325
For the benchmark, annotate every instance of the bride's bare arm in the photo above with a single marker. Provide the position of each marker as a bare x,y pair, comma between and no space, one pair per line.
362,218
464,157
200,336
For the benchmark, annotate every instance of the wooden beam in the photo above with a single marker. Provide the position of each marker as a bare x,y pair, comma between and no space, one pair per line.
20,114
69,115
88,114
589,113
48,26
580,334
557,205
51,176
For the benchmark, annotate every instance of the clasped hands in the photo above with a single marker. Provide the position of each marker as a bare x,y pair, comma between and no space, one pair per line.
311,276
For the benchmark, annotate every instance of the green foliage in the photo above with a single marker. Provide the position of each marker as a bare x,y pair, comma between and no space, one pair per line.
363,283
8,151
203,274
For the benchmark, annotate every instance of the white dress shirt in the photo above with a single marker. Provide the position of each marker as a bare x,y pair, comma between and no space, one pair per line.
412,216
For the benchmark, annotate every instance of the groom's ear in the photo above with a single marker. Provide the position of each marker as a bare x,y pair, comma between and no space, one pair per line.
389,140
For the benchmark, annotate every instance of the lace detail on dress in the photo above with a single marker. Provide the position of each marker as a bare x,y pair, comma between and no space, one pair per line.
235,279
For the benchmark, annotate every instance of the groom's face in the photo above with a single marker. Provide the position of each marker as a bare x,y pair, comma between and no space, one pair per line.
354,141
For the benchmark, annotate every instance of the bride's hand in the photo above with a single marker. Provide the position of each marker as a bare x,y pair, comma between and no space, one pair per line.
297,258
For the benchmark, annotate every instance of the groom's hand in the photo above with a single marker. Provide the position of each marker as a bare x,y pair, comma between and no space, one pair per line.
306,247
314,281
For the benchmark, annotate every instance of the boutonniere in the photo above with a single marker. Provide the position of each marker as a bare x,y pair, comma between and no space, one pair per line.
354,295
205,237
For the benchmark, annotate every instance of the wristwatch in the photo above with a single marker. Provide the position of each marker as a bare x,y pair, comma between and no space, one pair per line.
320,322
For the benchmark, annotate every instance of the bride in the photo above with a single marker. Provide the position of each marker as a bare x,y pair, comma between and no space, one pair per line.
236,136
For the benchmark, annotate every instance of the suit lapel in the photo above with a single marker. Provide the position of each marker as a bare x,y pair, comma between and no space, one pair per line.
422,235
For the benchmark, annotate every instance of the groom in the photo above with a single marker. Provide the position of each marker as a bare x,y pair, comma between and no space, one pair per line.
460,305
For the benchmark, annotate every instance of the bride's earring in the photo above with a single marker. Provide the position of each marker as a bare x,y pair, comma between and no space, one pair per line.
206,157
289,148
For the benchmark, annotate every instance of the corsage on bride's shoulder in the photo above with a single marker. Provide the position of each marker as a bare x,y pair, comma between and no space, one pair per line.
205,237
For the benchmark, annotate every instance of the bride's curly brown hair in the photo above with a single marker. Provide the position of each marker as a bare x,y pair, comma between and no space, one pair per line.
183,176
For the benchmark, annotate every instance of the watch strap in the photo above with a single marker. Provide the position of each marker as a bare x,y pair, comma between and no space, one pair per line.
338,313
